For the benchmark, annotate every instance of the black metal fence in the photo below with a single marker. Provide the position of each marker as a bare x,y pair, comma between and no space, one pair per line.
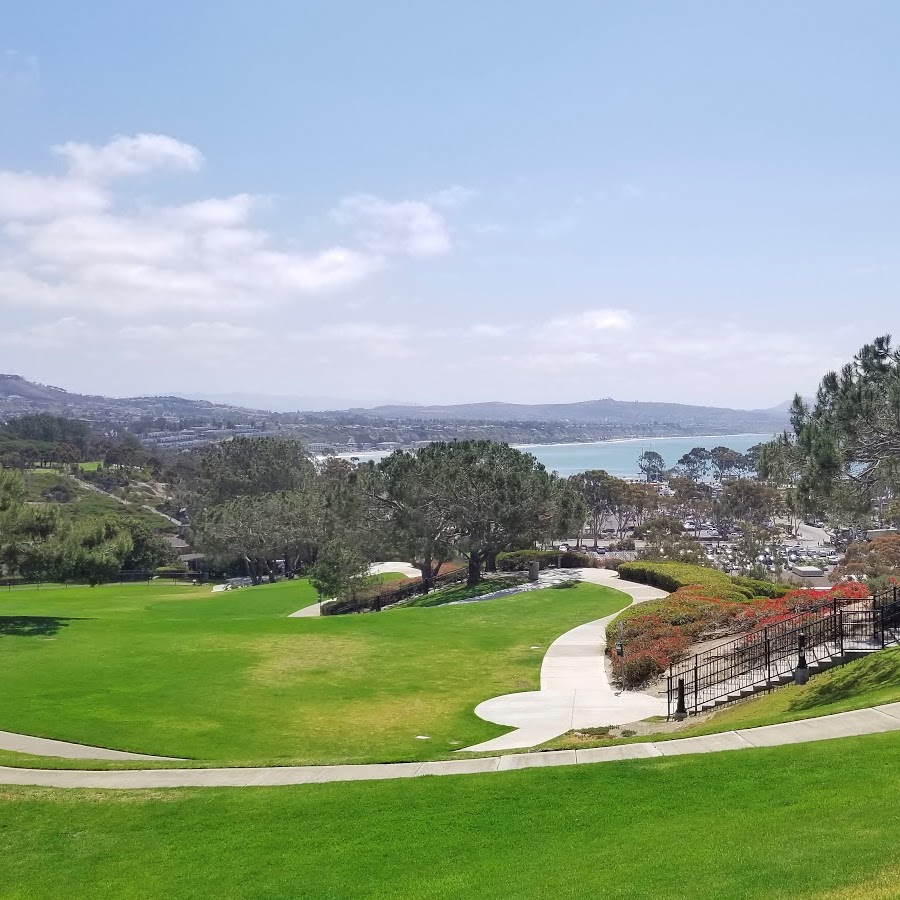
12,584
768,656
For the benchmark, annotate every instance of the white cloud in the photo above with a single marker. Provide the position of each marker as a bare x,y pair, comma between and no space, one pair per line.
69,241
594,320
411,227
224,212
24,195
484,329
61,333
200,334
129,155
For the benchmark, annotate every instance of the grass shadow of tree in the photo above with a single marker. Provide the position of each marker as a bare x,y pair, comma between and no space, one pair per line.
32,626
875,672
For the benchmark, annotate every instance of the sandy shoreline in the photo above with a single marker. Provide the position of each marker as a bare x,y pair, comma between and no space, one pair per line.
633,440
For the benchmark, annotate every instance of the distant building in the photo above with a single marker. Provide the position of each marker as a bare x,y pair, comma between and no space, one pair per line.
388,445
319,447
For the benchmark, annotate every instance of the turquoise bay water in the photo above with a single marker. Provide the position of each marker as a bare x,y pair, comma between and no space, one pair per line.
620,457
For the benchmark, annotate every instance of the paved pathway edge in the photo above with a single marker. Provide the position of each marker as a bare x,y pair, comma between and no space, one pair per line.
873,720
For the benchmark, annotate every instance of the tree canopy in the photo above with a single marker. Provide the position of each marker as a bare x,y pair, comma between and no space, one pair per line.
851,433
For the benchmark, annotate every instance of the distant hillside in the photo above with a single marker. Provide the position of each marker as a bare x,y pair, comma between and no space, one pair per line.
598,412
21,397
585,420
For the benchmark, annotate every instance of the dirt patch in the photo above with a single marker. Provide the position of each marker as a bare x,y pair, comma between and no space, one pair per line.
595,736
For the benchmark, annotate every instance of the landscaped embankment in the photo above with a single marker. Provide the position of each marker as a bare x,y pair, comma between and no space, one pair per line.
704,604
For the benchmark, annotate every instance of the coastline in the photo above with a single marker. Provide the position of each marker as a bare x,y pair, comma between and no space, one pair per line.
668,437
708,438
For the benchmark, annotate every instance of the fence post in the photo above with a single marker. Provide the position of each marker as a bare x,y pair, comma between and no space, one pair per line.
840,626
768,654
680,709
696,684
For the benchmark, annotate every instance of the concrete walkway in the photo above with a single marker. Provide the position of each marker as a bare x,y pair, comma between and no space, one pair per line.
575,690
307,612
35,746
865,721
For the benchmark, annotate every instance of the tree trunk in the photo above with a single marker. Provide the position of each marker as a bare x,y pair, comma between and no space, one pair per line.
490,560
474,569
427,568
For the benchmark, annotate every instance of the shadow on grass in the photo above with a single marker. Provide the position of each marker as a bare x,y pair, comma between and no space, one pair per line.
32,626
869,675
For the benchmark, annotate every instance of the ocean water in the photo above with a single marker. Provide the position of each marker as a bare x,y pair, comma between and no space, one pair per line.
620,457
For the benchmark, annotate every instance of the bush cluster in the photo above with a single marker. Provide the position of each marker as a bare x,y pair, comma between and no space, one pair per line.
703,603
518,560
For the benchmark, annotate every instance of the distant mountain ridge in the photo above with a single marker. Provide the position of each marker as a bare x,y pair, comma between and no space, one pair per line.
603,411
19,396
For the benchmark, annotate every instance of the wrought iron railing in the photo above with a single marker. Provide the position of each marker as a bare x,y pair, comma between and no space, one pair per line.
768,656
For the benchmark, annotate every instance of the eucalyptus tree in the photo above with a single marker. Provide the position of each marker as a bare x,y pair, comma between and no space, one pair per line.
651,465
725,462
695,463
596,488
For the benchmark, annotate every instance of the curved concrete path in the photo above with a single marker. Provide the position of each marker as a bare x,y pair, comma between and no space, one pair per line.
849,724
36,746
575,690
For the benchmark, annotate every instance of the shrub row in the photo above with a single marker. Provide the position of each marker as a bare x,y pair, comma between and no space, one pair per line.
518,560
704,603
672,576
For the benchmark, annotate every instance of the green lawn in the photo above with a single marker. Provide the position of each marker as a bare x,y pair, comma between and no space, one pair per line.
227,678
869,681
787,823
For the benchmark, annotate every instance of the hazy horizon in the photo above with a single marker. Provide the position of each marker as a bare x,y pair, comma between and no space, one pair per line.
294,403
692,203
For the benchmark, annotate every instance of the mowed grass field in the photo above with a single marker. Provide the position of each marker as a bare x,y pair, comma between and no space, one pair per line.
227,678
788,823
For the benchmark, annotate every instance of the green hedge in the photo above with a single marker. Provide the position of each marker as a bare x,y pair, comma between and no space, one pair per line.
761,588
670,576
518,560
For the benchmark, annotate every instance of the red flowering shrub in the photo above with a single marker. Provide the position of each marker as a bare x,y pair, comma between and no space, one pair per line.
659,633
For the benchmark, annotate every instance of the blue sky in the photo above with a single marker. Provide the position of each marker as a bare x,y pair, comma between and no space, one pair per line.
692,202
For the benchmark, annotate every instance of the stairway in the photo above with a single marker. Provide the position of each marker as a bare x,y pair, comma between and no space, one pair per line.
766,658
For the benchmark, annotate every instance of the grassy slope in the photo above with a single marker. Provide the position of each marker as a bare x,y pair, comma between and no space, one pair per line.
86,502
787,822
869,681
458,592
179,671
